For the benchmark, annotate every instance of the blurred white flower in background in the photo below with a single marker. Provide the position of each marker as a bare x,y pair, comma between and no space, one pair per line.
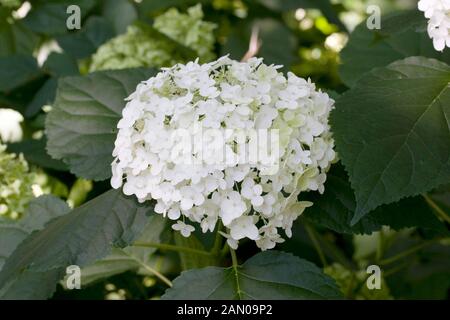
10,128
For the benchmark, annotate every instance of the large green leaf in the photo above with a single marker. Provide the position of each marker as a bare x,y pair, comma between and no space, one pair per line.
129,258
402,35
39,212
81,237
81,127
267,275
336,207
392,132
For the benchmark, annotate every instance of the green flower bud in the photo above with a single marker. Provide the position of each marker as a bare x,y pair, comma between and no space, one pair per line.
16,184
139,48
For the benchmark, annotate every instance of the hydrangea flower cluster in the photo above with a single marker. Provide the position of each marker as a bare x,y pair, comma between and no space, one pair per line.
438,14
252,199
141,48
15,184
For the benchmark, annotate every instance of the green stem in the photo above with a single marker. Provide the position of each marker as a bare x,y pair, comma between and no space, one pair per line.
380,246
408,252
236,273
333,251
218,240
224,250
158,274
396,269
349,293
171,247
438,210
312,235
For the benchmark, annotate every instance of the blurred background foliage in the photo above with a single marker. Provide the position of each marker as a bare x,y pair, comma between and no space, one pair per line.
305,36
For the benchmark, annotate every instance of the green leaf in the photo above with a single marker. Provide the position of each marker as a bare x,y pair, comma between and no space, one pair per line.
402,35
39,212
17,70
61,64
267,275
35,153
129,258
81,44
336,207
81,127
16,39
79,238
49,17
120,14
392,132
44,96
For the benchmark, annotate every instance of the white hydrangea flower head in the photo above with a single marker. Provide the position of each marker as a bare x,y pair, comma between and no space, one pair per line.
438,14
210,177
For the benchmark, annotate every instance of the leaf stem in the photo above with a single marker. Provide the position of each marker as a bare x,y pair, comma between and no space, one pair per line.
158,274
408,252
171,247
438,210
312,235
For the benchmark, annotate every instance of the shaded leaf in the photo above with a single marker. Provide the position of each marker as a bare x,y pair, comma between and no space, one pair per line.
81,127
50,17
402,35
40,211
44,96
16,39
81,237
17,70
120,14
336,207
61,64
129,258
81,44
35,153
